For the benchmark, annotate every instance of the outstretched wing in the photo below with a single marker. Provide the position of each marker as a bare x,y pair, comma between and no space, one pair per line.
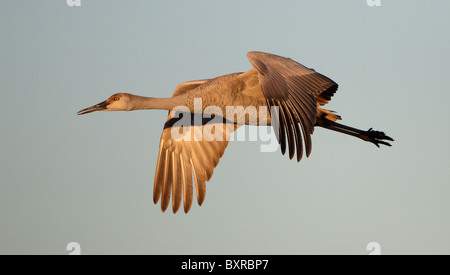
190,148
295,91
189,151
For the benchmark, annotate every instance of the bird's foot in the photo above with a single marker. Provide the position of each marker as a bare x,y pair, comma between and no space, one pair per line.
377,137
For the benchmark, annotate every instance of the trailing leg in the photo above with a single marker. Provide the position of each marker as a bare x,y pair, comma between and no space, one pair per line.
375,137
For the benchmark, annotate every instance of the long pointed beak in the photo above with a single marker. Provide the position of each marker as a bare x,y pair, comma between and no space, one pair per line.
98,107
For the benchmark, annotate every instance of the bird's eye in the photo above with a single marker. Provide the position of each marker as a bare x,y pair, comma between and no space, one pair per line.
116,99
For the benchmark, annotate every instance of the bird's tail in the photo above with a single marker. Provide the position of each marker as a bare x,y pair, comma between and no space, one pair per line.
375,137
328,114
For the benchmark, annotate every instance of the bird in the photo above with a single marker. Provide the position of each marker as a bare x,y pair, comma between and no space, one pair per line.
276,91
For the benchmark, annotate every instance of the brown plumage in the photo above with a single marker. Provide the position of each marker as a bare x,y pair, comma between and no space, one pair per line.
277,91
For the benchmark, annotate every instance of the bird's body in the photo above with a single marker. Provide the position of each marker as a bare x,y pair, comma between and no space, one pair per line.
221,92
277,91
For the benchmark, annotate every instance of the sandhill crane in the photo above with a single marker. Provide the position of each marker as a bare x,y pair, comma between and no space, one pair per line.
293,91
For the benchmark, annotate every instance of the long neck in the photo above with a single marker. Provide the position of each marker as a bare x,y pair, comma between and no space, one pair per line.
143,103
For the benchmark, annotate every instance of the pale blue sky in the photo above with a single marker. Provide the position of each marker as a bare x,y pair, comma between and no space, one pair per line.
89,179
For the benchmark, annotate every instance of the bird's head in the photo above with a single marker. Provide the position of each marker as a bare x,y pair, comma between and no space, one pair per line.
117,102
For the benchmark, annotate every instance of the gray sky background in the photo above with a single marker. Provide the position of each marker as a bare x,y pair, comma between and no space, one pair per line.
89,179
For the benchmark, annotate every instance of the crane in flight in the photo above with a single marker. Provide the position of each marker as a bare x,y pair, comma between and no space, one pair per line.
189,152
